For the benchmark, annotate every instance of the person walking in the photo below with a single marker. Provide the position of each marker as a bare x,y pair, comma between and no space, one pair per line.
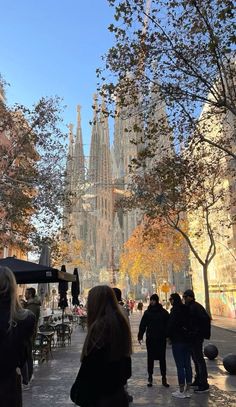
16,329
105,360
200,328
177,331
154,323
140,306
33,304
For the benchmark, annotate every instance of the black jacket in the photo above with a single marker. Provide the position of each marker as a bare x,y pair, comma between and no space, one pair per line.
178,328
13,341
200,323
154,323
13,353
99,377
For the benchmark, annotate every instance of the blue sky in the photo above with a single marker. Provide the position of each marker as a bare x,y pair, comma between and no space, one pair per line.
53,47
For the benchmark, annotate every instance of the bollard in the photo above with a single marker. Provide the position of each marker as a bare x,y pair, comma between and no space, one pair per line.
229,363
210,351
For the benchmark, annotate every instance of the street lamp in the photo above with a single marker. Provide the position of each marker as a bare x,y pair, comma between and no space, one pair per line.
54,291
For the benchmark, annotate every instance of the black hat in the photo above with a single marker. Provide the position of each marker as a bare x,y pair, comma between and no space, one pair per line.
176,298
189,293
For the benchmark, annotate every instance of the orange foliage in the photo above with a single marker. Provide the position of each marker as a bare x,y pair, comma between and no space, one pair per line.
151,249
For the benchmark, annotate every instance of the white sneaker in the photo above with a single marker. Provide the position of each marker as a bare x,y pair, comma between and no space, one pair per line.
187,393
26,386
179,394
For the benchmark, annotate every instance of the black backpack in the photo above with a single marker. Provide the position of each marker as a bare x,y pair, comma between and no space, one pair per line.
205,324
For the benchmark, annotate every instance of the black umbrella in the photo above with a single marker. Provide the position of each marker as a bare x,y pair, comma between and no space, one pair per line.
75,288
27,272
62,288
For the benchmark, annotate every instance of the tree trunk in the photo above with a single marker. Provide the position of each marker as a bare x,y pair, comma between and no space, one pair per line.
206,289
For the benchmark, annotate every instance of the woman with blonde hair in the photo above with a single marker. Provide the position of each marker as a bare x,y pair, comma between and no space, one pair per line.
16,328
105,360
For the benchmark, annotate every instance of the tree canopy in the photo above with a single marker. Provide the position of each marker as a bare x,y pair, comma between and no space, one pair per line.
151,250
181,52
32,151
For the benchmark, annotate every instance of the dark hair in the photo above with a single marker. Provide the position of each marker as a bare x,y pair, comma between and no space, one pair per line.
189,293
107,325
176,298
31,291
117,292
154,297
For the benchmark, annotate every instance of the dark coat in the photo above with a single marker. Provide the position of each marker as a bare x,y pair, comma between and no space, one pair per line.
154,323
13,353
99,378
33,304
200,323
179,324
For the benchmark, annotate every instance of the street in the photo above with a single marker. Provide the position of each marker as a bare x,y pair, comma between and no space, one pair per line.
53,379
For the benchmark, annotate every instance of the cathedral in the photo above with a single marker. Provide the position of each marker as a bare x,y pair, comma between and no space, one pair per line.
94,185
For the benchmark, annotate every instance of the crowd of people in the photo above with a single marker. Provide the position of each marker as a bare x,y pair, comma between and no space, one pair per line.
186,327
106,356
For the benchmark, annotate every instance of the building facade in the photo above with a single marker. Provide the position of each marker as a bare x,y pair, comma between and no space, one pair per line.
96,184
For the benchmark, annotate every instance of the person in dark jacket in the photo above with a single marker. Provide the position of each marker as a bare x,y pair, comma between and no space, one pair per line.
16,329
105,360
177,331
199,324
33,304
154,323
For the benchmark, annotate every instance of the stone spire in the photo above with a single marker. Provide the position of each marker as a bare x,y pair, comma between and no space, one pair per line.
79,164
69,163
94,146
104,159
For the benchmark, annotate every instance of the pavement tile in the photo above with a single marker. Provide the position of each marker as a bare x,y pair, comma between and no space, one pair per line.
53,379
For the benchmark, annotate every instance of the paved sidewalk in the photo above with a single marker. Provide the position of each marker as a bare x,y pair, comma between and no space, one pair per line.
53,380
225,323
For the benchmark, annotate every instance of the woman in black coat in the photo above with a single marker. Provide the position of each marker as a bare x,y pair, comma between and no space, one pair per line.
154,323
179,334
16,330
105,361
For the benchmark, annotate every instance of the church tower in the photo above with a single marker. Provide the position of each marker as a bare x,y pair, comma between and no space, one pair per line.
99,179
68,204
75,222
79,182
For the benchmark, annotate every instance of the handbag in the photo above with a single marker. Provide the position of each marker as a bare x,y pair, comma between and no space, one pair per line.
80,393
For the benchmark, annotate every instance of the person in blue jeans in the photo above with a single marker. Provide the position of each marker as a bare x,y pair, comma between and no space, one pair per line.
177,331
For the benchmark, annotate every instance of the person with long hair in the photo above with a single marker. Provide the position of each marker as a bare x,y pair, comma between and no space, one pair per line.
105,360
178,332
16,328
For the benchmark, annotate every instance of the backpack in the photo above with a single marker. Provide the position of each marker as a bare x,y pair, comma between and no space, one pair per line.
205,324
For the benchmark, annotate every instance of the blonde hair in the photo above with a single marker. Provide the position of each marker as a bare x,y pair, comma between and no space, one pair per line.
107,325
8,292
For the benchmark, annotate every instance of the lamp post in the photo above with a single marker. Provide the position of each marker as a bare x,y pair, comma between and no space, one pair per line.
54,291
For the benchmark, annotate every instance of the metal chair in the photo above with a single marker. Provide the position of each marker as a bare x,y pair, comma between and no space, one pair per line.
41,348
63,332
83,321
